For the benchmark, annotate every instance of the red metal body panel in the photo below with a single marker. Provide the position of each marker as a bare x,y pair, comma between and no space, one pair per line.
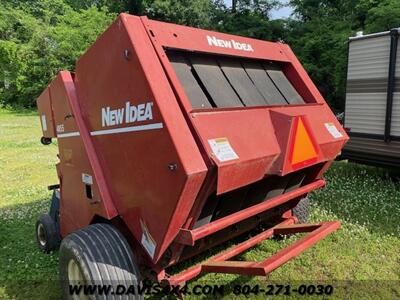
254,143
194,39
142,199
75,159
128,132
257,135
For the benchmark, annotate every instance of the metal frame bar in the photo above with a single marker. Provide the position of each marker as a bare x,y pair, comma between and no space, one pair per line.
346,82
394,38
367,36
98,172
369,159
221,263
371,136
189,237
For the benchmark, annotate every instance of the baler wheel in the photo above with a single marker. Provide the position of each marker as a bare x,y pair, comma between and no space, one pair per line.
98,255
45,141
47,237
302,210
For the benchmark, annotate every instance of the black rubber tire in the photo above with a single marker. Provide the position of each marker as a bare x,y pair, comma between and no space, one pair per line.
47,236
302,210
103,257
45,141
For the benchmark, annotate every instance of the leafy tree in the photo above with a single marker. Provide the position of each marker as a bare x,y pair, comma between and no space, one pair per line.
249,18
320,31
38,40
319,35
322,50
186,12
259,6
252,24
384,16
117,6
40,37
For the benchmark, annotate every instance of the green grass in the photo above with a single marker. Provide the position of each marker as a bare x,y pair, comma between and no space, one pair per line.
363,256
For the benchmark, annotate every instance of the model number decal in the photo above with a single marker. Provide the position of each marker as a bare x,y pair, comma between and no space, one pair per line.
60,128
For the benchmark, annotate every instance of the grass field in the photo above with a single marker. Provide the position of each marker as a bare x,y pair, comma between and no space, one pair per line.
363,257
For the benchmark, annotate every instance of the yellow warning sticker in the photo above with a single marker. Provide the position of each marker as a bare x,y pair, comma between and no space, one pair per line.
222,149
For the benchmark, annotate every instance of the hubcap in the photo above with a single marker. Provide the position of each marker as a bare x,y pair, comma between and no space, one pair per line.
74,273
75,276
41,234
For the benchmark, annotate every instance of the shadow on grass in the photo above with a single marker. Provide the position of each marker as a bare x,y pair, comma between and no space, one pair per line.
25,272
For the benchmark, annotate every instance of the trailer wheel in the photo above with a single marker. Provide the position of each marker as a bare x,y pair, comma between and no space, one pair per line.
99,255
47,236
302,210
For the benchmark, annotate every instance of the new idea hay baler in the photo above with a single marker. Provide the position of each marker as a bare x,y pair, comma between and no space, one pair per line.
173,140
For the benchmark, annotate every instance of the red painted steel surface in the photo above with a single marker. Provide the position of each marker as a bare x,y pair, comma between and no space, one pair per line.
76,158
194,39
146,191
254,143
127,130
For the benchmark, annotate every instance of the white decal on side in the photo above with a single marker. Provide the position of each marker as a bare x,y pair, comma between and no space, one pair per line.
147,240
232,44
86,178
333,130
44,124
126,115
67,134
128,129
115,130
132,113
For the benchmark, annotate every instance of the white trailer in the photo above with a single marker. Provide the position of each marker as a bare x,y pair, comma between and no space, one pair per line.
372,110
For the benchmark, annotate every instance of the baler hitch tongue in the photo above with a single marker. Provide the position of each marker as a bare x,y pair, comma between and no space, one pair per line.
221,263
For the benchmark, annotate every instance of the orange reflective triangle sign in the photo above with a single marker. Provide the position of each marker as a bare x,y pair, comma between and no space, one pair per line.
303,147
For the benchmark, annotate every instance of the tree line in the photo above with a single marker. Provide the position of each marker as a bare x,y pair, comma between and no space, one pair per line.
40,37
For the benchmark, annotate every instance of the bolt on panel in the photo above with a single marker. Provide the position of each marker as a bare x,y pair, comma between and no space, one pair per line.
241,82
283,84
192,88
263,83
215,82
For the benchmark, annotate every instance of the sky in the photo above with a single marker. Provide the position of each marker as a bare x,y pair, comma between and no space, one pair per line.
284,12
